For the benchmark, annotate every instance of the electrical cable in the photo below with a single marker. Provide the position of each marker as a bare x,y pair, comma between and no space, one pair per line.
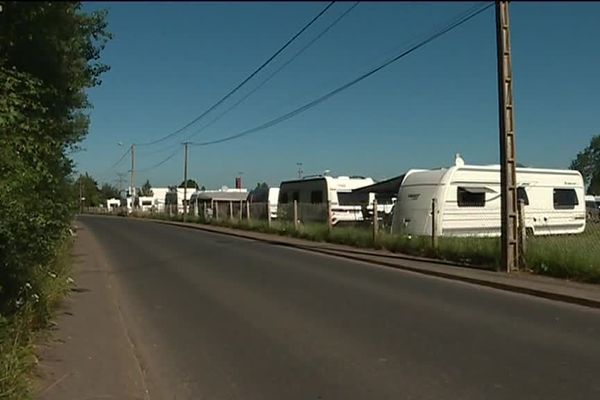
340,89
241,83
272,75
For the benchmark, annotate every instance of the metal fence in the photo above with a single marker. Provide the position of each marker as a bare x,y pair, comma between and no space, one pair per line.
562,243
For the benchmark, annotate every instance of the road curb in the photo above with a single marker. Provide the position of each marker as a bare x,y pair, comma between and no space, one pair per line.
515,288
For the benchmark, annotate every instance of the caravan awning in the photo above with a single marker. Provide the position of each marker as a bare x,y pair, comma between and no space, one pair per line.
477,189
389,187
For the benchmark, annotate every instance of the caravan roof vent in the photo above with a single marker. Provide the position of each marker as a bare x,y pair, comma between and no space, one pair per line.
459,162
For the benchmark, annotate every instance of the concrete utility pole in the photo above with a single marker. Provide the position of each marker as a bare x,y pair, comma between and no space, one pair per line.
508,174
132,183
80,194
185,179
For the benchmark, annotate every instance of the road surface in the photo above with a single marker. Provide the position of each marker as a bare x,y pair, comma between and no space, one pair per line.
216,317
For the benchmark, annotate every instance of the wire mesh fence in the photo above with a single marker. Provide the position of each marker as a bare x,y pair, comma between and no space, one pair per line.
562,242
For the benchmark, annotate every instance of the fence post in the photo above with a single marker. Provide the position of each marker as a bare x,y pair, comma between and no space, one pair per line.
247,210
522,233
269,213
296,214
433,227
231,210
329,221
241,212
375,221
216,210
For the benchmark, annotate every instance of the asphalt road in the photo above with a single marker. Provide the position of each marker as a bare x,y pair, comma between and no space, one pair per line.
217,317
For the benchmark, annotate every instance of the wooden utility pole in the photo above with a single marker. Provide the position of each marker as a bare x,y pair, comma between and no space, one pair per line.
508,175
185,180
132,182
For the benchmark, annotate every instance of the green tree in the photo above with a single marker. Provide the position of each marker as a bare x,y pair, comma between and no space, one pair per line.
108,191
190,184
260,187
146,189
49,56
588,163
89,189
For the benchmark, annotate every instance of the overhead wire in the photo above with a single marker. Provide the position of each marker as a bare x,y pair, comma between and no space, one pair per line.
349,84
235,89
274,73
159,163
107,170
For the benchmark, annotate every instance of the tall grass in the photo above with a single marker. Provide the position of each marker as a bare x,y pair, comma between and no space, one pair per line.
18,331
574,257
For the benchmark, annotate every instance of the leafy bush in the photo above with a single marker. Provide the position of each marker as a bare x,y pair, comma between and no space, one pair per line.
48,56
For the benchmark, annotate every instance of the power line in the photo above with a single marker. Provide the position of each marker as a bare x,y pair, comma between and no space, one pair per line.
241,83
272,75
340,89
160,163
107,170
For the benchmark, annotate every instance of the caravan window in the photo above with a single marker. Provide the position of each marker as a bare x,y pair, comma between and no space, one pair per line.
316,196
146,203
565,198
522,195
470,197
352,199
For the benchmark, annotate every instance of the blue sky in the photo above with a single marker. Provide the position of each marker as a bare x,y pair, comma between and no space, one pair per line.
171,61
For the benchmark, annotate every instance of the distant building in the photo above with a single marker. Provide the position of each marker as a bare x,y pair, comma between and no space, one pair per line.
113,203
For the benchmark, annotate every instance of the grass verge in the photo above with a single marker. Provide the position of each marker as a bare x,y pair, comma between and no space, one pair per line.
18,331
575,257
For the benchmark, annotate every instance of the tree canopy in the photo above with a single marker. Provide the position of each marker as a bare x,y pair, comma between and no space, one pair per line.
190,184
49,56
146,189
588,163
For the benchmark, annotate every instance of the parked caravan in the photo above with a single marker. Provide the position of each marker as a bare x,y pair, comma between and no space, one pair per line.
467,199
270,195
113,203
146,203
346,206
592,207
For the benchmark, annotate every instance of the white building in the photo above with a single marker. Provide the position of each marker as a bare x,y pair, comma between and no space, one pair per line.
113,203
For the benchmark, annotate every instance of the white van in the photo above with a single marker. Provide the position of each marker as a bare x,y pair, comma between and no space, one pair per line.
468,201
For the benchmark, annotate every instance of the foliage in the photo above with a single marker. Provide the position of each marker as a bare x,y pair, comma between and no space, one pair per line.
49,55
146,189
108,191
588,163
190,184
88,188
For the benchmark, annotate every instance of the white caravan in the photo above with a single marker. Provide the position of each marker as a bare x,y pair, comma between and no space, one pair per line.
263,196
345,205
113,203
468,201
